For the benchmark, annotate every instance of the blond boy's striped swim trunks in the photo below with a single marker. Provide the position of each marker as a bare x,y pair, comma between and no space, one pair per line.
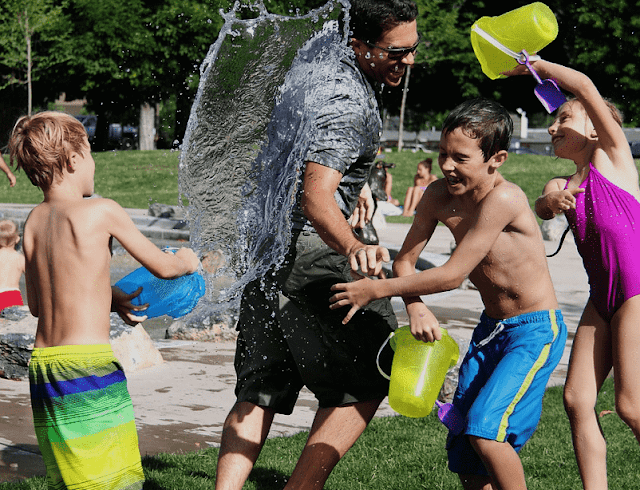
83,418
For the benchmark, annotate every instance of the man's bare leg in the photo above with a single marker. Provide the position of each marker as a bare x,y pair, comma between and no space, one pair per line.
243,435
333,432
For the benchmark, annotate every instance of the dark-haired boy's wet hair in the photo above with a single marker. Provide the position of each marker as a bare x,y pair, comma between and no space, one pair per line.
482,119
370,18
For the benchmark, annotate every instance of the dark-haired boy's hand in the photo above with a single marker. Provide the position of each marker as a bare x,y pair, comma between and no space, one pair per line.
356,294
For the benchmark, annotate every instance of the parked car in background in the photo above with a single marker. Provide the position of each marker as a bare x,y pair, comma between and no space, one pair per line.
635,149
120,137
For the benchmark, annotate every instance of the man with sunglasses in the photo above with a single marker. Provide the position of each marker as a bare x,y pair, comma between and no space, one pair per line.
288,337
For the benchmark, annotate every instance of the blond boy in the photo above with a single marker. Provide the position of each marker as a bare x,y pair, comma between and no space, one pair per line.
11,265
82,411
520,338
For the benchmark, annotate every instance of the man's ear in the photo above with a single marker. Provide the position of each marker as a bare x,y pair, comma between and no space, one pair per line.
498,159
358,46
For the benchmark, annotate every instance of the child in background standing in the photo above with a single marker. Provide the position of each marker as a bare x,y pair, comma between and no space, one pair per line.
11,265
82,410
602,204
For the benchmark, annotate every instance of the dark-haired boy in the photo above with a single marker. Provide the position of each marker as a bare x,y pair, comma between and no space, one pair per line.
521,335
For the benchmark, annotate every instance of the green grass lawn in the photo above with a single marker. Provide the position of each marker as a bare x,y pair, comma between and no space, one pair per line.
137,178
134,179
398,453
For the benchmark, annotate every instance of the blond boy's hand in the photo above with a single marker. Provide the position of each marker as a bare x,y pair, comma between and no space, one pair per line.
356,294
122,305
190,258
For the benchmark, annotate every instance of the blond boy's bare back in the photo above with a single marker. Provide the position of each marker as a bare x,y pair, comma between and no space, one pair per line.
68,264
67,249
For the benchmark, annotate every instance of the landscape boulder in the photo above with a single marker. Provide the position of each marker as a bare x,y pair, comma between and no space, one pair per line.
132,346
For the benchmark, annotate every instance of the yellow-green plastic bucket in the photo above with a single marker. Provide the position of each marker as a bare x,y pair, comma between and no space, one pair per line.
530,28
418,371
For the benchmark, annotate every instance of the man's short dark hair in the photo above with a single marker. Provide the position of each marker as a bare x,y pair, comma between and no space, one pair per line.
370,18
482,119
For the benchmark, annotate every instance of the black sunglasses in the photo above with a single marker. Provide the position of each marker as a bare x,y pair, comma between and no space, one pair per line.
397,53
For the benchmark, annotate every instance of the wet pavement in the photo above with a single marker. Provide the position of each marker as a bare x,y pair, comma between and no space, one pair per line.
180,405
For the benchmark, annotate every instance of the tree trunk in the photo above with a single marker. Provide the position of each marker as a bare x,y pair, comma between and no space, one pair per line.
402,105
27,36
147,127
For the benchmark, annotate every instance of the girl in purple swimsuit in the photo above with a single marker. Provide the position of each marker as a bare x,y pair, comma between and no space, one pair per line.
602,204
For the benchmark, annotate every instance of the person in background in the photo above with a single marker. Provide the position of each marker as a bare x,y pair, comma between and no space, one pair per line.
421,181
11,265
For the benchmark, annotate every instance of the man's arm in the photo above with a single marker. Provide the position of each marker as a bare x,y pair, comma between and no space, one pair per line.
320,207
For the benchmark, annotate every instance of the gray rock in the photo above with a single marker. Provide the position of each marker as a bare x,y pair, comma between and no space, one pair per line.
209,328
553,229
165,211
132,346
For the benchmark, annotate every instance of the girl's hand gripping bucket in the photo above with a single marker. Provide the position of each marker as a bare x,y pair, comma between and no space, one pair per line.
418,371
498,41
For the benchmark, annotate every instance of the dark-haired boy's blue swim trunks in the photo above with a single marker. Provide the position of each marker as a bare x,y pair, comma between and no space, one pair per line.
502,381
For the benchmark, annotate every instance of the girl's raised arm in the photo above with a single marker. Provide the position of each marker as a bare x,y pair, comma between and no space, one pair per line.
610,134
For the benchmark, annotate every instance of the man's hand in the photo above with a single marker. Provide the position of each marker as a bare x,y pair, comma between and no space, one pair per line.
364,209
121,304
356,294
368,259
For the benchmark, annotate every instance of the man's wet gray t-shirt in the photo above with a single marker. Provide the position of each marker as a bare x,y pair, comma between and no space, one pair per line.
343,130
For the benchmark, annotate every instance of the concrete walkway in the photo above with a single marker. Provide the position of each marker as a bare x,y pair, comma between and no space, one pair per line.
181,404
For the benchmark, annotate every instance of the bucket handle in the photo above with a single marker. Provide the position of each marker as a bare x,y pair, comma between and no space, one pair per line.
378,356
490,39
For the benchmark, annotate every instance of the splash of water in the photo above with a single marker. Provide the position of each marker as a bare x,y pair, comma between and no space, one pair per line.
240,189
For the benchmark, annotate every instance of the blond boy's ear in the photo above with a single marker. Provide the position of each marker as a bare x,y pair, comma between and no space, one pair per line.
498,159
73,161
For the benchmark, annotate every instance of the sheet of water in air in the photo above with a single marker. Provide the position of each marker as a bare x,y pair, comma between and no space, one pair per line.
240,190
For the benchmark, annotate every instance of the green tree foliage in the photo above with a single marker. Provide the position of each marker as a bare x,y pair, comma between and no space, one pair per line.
602,38
182,32
122,53
32,41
